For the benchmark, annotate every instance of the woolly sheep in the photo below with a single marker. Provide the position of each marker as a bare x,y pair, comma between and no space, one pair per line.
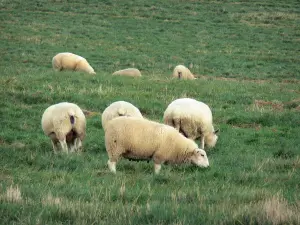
193,119
64,123
70,61
131,72
141,139
183,72
119,108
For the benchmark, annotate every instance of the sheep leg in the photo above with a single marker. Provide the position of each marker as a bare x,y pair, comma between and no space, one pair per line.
72,147
78,145
64,145
54,146
157,168
112,166
202,142
157,163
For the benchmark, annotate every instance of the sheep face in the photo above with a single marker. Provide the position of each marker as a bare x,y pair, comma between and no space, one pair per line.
211,139
199,158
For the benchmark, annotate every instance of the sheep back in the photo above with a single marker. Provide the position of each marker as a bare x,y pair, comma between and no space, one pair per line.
195,117
119,108
131,72
70,61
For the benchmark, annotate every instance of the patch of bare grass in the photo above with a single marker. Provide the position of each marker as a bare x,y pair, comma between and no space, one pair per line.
255,126
249,80
88,113
275,105
266,19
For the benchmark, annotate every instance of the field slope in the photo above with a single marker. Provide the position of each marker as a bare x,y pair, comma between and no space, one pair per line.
246,58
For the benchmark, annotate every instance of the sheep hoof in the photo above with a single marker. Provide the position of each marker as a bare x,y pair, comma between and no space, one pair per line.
112,166
157,168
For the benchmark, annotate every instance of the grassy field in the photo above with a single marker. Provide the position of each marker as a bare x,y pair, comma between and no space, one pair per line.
246,57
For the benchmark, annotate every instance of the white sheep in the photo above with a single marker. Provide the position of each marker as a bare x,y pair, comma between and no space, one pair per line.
182,72
131,72
141,139
119,108
64,123
193,119
70,61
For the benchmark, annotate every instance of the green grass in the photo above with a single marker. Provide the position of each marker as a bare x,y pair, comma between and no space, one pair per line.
246,58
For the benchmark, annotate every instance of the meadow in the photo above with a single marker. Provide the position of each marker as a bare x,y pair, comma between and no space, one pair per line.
245,55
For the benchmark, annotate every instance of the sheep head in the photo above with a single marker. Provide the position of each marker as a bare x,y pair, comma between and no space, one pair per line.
211,139
199,158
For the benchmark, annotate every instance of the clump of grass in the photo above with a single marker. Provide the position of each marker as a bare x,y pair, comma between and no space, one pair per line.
285,154
13,194
278,211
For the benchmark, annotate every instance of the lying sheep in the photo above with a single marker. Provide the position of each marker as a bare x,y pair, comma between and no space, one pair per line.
64,123
141,139
119,108
131,72
193,119
70,61
182,72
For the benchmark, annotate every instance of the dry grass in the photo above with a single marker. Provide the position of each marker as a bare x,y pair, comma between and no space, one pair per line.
273,210
277,211
50,200
12,194
88,113
275,105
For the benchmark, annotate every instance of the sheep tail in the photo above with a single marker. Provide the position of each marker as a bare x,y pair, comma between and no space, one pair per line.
72,117
72,120
121,112
179,74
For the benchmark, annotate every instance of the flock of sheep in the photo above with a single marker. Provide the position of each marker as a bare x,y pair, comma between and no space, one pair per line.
70,61
127,133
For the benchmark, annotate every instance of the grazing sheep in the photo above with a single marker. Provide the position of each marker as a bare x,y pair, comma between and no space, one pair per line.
119,108
141,139
70,61
64,123
131,72
193,119
181,72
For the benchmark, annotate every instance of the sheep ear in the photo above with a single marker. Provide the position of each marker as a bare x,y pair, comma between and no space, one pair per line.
217,131
196,150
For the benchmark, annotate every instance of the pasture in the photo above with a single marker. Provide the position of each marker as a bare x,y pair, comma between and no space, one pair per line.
245,55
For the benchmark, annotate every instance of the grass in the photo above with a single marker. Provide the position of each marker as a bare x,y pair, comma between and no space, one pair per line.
246,58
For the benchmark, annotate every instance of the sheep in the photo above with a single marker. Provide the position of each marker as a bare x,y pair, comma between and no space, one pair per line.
131,72
142,139
70,61
64,123
193,119
182,72
119,108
